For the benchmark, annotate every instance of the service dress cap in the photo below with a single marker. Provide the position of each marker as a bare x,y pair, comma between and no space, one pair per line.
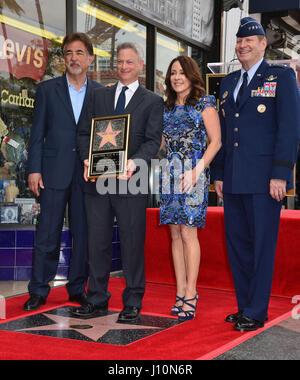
250,27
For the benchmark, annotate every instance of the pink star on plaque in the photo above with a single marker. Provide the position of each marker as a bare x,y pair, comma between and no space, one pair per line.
109,136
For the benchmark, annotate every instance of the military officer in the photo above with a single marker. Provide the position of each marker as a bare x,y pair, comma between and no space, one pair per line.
259,112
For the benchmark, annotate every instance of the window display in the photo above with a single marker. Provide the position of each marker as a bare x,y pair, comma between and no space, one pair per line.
30,35
9,213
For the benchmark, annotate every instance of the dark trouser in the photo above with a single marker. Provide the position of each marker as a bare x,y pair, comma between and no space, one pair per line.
131,216
48,237
252,225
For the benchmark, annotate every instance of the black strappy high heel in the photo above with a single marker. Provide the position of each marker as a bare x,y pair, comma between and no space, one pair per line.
177,309
188,314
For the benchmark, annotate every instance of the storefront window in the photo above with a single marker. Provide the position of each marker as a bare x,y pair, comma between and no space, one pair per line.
107,29
284,41
31,32
166,49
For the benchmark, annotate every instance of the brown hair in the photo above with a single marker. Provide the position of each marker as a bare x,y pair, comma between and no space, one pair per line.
192,72
78,37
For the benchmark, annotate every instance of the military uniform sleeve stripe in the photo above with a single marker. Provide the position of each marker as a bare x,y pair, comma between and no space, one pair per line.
216,166
286,164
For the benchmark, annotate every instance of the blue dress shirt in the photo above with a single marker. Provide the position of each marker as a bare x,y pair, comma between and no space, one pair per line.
77,98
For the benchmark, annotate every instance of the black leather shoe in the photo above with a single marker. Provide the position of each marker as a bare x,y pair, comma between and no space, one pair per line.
89,310
129,314
233,318
34,302
79,298
248,324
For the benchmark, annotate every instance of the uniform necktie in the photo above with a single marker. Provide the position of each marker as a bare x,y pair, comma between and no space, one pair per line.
242,88
121,102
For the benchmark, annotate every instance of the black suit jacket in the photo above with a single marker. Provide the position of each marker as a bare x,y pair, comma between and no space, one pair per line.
52,148
146,121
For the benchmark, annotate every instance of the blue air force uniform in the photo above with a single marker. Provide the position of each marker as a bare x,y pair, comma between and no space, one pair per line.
260,139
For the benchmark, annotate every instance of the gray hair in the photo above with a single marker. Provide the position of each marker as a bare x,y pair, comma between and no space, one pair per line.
135,47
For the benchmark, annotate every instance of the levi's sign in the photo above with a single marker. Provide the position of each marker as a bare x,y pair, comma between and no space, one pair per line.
22,54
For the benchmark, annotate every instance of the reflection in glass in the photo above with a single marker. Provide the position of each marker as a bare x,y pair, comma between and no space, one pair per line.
190,18
107,29
167,48
35,14
31,32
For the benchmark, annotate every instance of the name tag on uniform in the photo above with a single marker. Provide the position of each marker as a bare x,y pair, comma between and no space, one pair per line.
267,91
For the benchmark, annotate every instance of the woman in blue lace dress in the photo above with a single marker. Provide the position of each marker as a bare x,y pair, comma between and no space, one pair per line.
190,120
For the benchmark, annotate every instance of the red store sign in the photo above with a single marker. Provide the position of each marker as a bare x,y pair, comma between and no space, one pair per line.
22,54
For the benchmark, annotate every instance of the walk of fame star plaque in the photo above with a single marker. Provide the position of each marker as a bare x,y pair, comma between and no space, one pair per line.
109,146
61,323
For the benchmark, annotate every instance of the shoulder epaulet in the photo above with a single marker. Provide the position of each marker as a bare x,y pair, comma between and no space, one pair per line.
278,66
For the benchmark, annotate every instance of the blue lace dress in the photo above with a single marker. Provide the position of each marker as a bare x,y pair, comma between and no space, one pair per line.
186,142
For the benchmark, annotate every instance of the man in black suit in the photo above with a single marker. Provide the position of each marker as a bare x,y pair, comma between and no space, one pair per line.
55,171
146,112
